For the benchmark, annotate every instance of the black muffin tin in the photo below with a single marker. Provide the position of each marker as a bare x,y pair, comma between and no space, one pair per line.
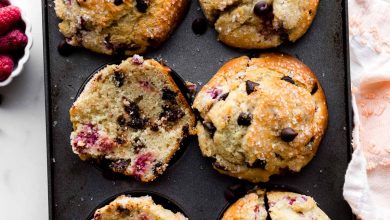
190,184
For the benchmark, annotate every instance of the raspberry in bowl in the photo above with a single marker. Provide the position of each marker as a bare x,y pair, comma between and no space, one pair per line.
15,41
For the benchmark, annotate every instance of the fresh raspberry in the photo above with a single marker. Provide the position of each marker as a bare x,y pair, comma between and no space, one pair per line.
9,16
4,3
13,41
6,67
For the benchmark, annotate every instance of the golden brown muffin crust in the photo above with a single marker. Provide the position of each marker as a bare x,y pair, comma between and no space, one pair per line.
127,28
238,26
246,132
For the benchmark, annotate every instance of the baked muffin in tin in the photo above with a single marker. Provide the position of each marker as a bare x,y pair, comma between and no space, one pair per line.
259,24
135,208
132,114
260,117
275,205
123,27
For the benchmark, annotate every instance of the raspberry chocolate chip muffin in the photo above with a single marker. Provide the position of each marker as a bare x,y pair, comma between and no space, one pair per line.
250,207
280,206
257,24
135,208
259,117
118,26
293,206
133,115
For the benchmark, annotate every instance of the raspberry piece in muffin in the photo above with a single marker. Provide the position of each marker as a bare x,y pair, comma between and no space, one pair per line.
137,208
132,114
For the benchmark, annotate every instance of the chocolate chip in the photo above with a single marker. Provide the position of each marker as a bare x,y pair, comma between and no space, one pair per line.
137,123
288,79
172,113
120,166
118,78
168,94
223,97
250,86
244,119
314,89
142,5
118,2
288,134
209,126
186,130
132,109
261,8
199,26
156,168
64,49
258,164
121,121
234,192
154,127
123,211
138,145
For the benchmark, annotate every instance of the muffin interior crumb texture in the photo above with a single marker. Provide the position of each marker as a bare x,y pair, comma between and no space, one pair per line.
275,205
259,23
135,208
132,115
260,117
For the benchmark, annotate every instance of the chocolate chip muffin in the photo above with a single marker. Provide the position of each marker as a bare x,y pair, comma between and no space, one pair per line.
250,207
135,208
133,115
293,206
261,116
258,24
118,26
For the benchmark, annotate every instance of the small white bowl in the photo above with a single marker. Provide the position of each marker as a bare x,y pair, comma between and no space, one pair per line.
26,56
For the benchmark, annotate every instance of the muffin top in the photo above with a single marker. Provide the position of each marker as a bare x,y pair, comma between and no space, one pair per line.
275,205
249,207
261,116
135,208
118,26
255,24
293,206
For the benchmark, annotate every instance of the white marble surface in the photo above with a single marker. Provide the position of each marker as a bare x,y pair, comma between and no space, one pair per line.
23,174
